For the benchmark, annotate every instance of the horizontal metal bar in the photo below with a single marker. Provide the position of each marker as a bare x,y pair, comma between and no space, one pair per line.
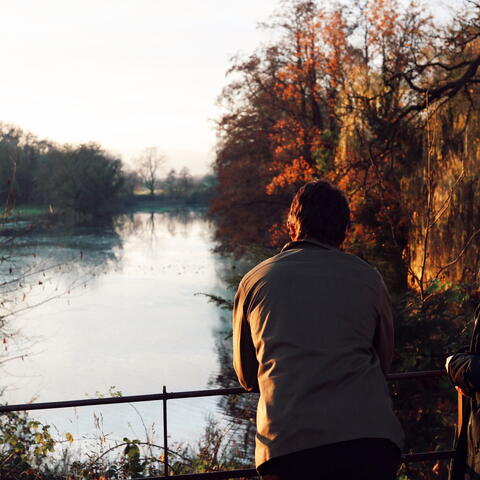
426,456
392,377
251,472
177,395
124,399
247,473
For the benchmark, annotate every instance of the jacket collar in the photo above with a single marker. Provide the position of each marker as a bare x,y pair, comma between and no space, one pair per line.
307,242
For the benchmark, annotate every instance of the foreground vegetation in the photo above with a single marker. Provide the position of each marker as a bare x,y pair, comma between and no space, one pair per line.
28,451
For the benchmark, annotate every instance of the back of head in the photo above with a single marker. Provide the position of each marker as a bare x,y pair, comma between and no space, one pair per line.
319,210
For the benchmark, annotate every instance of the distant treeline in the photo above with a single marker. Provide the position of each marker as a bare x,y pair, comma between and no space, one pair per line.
178,186
84,180
182,185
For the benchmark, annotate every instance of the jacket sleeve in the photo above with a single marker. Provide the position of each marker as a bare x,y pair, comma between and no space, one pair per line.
384,334
244,357
464,372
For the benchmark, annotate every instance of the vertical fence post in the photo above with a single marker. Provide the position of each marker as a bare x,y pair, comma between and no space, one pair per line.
460,401
165,432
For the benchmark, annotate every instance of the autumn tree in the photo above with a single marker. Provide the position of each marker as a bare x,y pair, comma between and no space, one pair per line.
310,57
440,192
383,101
290,88
244,213
409,69
342,94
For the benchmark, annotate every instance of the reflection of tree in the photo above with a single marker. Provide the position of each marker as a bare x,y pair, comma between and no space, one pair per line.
240,410
179,221
37,267
128,224
139,225
146,225
151,222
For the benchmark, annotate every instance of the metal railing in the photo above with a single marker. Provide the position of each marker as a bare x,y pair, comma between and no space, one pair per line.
165,396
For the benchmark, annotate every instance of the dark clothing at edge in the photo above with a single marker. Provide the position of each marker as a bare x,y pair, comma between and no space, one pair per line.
464,372
362,459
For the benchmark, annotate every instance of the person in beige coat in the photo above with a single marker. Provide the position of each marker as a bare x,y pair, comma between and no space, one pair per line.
313,333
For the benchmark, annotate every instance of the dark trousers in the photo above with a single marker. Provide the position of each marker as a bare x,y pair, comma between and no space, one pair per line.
362,459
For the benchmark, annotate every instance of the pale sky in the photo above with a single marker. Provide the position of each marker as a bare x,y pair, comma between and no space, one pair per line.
127,74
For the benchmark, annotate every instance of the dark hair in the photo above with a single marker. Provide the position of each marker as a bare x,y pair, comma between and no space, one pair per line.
320,210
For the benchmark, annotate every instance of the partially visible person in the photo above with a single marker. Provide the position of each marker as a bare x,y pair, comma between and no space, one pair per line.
313,333
463,369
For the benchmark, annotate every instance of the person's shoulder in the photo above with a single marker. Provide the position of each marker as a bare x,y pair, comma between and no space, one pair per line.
259,271
362,265
361,262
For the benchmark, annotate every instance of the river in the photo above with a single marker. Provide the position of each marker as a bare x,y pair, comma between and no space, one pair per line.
128,318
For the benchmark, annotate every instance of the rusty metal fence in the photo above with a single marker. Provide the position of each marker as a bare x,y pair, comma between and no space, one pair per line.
165,396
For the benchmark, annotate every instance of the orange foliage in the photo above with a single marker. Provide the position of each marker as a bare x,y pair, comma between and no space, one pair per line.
305,86
335,97
297,171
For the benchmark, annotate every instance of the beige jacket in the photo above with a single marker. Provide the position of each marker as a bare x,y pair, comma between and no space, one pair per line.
313,331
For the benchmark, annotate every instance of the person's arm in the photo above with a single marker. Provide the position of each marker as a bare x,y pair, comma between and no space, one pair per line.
384,335
464,371
244,356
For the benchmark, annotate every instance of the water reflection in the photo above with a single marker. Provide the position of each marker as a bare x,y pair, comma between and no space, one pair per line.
136,324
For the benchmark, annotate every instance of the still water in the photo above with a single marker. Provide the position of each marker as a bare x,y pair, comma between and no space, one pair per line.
127,317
